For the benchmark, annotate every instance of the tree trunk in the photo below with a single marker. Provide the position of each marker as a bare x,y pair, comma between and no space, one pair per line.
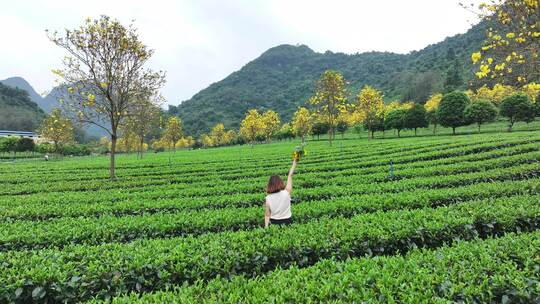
434,128
454,130
510,125
141,147
398,133
414,131
478,128
112,175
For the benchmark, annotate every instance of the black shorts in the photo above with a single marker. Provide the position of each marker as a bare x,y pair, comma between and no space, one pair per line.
286,221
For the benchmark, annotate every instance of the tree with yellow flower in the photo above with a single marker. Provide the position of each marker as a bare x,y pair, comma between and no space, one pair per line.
173,132
185,142
230,137
370,108
128,142
217,135
58,128
252,126
301,123
271,124
104,74
496,94
432,105
330,98
207,141
510,54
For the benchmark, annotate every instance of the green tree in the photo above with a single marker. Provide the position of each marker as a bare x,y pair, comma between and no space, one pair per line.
286,132
416,118
396,120
330,98
9,144
517,108
358,129
480,112
320,128
451,110
105,74
342,127
25,145
454,78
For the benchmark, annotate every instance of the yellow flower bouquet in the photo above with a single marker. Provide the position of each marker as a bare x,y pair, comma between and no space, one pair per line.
299,152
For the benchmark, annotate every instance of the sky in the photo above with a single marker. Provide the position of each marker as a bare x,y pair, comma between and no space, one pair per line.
200,42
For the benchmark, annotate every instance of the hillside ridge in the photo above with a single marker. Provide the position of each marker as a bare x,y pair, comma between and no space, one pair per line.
282,79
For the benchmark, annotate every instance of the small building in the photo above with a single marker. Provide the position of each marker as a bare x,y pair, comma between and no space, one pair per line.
21,134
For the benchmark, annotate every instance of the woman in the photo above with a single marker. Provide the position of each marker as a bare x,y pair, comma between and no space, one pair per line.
278,200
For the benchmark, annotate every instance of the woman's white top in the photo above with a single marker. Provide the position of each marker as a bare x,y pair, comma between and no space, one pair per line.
280,205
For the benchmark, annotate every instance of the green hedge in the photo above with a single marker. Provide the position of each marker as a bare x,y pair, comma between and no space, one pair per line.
109,228
185,181
505,270
79,272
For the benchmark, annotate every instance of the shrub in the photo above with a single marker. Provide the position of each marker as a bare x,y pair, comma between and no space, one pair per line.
517,108
25,144
480,112
451,110
396,120
415,118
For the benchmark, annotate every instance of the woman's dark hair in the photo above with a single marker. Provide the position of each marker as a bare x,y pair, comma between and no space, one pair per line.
275,184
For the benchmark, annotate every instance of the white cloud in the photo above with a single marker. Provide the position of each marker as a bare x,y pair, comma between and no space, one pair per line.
200,42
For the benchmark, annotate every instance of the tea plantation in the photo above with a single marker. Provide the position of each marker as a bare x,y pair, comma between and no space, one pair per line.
410,220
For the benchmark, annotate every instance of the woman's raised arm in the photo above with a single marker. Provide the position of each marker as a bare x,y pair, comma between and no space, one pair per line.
266,215
289,178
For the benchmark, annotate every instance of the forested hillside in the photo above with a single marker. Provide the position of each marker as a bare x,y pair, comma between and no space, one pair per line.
282,78
46,103
17,110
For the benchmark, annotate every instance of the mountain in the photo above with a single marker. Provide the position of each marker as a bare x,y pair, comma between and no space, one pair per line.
90,131
17,111
46,103
283,78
